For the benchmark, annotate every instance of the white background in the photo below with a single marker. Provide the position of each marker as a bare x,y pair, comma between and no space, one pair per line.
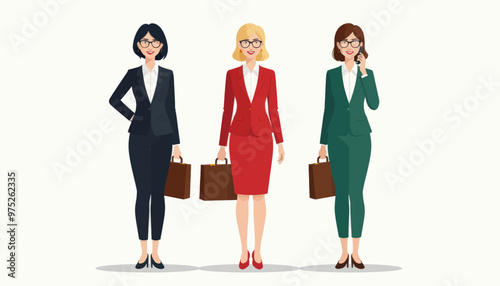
440,224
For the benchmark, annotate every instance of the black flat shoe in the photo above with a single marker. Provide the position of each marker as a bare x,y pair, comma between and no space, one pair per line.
157,265
343,264
359,265
142,265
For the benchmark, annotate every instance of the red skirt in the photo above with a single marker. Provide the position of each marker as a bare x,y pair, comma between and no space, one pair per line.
251,159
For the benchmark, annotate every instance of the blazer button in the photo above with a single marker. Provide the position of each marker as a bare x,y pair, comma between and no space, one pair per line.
348,108
149,108
250,108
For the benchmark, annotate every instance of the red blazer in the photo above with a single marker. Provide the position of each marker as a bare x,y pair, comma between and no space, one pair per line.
250,116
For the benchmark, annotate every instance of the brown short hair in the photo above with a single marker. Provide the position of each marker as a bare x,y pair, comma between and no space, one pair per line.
343,32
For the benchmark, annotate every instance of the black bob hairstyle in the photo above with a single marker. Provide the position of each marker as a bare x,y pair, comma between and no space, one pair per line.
157,33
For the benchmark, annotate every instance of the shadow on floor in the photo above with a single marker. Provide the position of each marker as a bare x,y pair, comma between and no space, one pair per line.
368,268
235,268
131,268
250,269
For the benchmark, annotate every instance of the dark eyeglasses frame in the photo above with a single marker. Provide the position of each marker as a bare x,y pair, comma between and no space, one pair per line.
251,42
149,43
350,42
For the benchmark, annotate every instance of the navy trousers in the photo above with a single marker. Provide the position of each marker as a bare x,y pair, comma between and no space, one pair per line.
150,159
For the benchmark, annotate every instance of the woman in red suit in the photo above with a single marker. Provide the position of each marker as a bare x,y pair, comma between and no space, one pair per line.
251,142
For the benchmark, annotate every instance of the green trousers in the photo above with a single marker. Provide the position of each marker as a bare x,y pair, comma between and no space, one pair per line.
349,158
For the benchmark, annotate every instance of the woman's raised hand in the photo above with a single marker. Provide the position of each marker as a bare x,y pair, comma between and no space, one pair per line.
362,64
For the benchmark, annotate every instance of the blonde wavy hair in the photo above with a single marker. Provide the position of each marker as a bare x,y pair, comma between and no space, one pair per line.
243,33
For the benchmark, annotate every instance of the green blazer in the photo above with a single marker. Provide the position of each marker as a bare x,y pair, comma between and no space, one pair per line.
342,117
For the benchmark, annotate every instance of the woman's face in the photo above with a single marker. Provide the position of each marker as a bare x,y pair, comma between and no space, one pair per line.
347,49
248,46
149,46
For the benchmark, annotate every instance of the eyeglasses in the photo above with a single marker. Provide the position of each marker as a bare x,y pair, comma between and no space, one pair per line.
145,43
246,43
345,43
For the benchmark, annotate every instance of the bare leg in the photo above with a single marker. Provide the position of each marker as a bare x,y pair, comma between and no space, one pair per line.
144,248
154,254
344,256
259,212
355,247
242,220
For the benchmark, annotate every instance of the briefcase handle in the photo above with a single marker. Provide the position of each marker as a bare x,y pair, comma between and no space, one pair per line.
179,157
326,159
217,159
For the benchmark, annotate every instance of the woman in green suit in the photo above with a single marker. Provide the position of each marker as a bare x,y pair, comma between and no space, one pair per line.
346,132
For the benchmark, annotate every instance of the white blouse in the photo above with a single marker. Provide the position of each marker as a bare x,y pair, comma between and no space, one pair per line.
150,80
349,78
251,78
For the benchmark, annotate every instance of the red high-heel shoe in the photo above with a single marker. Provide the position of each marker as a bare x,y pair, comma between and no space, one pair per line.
255,264
245,265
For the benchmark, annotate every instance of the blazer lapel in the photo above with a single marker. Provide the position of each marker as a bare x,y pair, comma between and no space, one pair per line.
357,86
162,81
260,82
241,83
143,95
341,83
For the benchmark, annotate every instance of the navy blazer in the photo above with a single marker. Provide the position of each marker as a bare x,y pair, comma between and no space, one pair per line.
159,115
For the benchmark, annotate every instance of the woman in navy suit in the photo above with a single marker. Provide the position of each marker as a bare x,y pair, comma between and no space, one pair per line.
153,131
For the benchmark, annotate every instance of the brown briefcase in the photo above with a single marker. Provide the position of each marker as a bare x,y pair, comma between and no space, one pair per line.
320,180
178,180
216,182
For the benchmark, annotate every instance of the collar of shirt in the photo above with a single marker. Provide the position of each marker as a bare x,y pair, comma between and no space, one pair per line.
354,70
255,70
145,70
